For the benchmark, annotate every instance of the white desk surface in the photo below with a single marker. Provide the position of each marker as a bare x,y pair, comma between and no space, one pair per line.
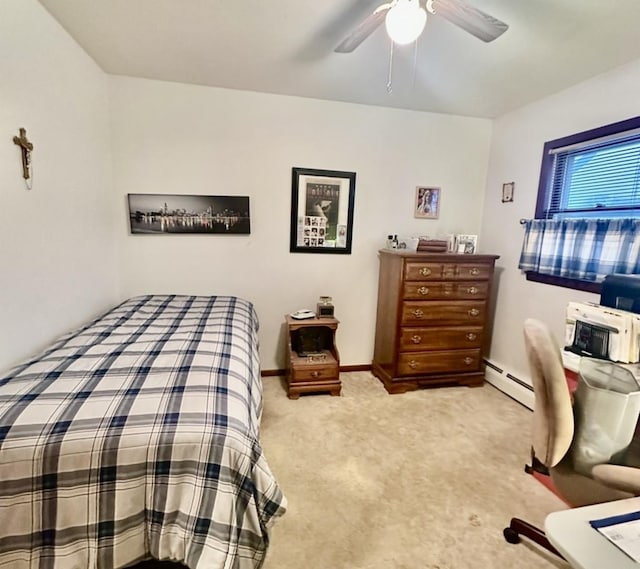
581,545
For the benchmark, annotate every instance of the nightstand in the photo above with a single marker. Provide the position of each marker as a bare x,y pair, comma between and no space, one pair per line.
313,362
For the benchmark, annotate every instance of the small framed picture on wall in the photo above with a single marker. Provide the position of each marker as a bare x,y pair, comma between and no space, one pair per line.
427,203
507,192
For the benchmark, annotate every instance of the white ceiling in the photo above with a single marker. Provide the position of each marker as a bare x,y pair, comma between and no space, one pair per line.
286,47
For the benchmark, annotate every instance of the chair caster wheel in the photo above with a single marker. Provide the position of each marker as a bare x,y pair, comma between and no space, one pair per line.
511,535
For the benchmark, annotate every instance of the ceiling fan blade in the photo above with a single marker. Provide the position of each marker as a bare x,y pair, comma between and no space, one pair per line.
470,19
369,25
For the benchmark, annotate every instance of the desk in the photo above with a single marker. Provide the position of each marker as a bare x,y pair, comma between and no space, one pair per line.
581,545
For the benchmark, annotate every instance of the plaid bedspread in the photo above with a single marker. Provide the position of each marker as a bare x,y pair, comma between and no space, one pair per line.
137,436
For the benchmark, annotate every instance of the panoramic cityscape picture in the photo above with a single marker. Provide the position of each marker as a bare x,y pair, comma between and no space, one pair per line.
168,213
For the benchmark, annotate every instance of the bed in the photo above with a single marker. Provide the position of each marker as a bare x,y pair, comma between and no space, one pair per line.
137,437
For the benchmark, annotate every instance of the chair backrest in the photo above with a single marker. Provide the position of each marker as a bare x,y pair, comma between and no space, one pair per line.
553,413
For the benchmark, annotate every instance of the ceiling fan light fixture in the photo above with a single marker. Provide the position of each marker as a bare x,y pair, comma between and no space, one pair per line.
405,21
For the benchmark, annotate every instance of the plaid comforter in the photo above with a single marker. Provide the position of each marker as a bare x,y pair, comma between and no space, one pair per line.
136,437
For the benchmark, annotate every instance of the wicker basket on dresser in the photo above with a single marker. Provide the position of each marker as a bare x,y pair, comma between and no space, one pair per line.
431,319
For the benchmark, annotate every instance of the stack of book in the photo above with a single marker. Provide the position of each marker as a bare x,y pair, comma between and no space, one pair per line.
432,246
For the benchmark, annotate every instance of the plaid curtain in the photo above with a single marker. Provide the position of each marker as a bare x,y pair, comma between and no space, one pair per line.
586,249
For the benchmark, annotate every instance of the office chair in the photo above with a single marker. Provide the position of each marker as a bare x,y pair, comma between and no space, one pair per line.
553,435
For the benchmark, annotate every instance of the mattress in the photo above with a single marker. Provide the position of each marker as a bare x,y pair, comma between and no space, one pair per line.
137,437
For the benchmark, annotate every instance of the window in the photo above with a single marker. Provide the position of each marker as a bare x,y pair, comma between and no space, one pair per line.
589,176
592,174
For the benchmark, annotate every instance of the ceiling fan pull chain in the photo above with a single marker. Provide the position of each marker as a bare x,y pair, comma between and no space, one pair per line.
415,62
389,78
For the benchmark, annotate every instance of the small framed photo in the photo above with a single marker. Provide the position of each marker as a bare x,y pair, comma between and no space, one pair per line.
467,244
427,204
507,192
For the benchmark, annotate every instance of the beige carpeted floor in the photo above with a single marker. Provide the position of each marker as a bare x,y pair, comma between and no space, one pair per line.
422,480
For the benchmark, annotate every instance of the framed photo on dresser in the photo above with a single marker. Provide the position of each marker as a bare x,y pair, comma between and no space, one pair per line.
466,244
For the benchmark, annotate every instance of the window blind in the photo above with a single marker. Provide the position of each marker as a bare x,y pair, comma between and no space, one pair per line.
601,179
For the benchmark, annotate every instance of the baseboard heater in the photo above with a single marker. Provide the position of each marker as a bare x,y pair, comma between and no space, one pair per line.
509,384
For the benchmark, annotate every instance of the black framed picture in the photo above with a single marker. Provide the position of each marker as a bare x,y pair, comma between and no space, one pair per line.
507,192
322,204
157,214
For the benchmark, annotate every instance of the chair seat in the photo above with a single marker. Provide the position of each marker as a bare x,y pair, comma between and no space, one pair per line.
624,478
580,490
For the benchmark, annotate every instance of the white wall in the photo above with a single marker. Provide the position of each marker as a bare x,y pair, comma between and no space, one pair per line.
516,154
185,139
56,240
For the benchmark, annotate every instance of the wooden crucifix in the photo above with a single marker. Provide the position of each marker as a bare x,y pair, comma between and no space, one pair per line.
26,147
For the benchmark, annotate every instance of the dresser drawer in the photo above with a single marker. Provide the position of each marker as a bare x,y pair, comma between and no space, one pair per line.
418,339
445,290
439,362
433,271
314,372
441,313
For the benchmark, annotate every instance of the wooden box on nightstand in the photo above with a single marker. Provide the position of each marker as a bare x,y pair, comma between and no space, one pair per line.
313,362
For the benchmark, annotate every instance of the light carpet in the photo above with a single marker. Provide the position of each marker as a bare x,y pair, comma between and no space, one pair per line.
422,480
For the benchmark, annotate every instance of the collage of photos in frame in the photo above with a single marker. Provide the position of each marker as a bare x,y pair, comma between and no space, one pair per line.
314,231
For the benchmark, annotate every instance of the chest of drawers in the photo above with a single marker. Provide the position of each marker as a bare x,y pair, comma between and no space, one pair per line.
432,318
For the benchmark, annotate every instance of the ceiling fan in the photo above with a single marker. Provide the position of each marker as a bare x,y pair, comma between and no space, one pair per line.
405,20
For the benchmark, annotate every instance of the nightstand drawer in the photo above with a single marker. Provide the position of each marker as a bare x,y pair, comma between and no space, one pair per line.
439,362
418,339
308,373
441,313
445,291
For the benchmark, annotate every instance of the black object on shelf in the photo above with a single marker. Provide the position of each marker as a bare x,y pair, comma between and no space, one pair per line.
621,292
311,340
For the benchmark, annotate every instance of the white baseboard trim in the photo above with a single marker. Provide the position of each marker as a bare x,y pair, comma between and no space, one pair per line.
509,384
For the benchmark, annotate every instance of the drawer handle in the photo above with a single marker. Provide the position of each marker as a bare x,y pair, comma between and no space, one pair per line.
475,271
423,290
418,313
471,336
425,271
472,290
413,364
474,312
416,339
468,361
315,374
447,291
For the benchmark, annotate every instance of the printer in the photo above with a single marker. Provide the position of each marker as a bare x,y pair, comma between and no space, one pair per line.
621,292
598,331
609,330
